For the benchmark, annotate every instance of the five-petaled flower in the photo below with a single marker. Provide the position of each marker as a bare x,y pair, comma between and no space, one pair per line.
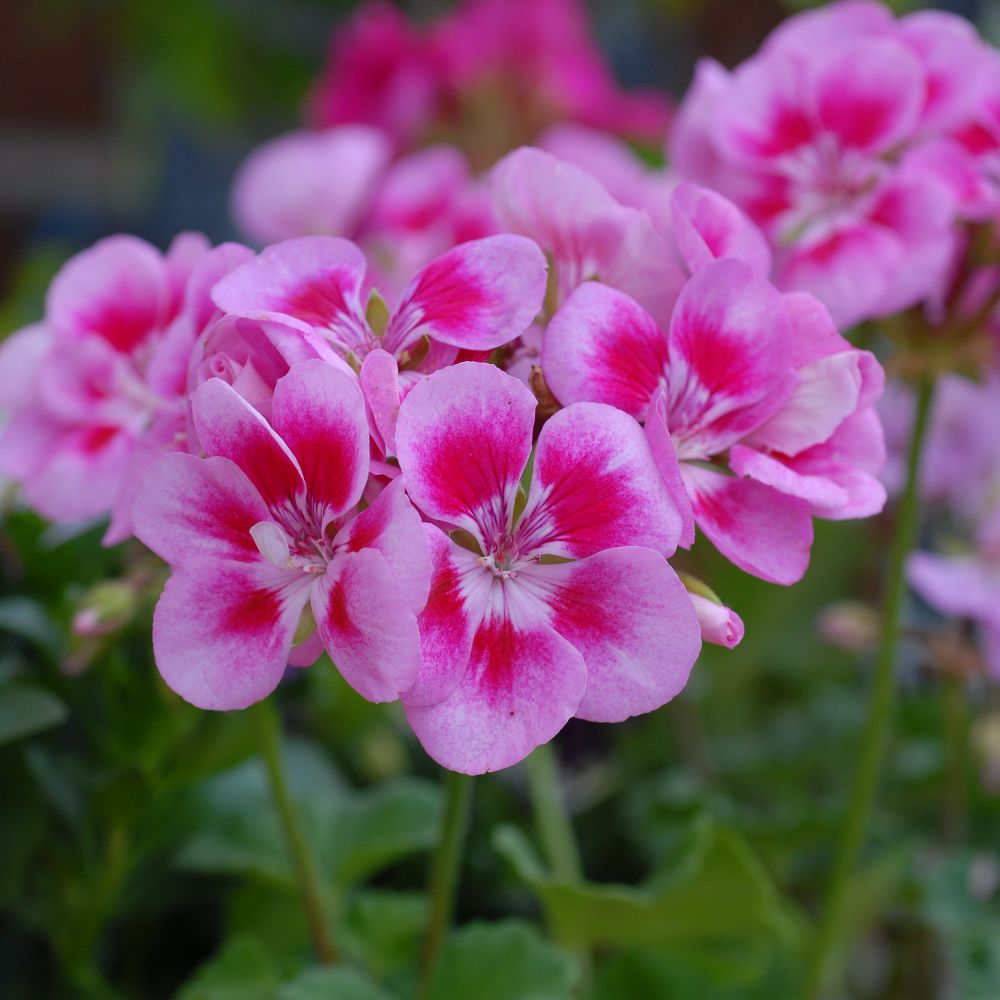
263,542
545,605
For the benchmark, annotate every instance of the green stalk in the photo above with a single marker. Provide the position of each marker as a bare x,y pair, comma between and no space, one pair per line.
824,972
956,733
306,870
445,865
555,829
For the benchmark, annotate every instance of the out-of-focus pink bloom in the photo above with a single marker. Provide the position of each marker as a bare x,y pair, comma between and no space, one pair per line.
747,381
613,162
343,182
310,183
381,71
539,56
98,388
563,603
587,234
966,585
489,72
960,471
264,527
841,139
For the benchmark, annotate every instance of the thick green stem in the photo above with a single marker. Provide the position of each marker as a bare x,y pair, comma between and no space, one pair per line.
306,870
555,828
445,865
824,971
956,748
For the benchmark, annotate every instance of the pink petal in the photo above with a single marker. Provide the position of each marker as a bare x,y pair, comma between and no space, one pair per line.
730,342
870,93
307,652
319,414
827,393
962,586
631,619
821,493
603,347
664,454
186,508
78,473
228,426
380,385
313,282
589,234
764,114
762,531
719,625
595,486
392,526
222,631
707,226
21,357
477,296
521,686
850,270
367,625
310,183
117,290
463,439
447,623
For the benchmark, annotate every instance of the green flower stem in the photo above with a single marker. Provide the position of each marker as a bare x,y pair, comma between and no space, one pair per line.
445,865
306,870
875,739
956,765
554,826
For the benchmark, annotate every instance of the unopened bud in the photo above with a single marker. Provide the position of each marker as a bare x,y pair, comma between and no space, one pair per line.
719,624
105,608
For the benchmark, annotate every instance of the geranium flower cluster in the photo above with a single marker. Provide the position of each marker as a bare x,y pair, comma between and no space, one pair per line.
856,140
487,75
450,427
466,492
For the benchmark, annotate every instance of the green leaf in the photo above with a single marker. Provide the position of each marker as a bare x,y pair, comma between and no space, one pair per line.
717,899
29,620
27,709
353,833
385,928
242,970
332,984
508,960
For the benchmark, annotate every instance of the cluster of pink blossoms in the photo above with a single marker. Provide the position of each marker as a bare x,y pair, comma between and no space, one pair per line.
855,140
447,427
487,71
345,470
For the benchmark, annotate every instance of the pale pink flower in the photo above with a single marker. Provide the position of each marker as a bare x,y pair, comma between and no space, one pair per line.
769,409
344,182
98,387
549,603
265,528
966,585
837,138
381,71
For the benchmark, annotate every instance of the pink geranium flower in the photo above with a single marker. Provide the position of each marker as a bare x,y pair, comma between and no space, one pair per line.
831,139
476,297
966,585
99,386
544,604
265,546
344,182
769,409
